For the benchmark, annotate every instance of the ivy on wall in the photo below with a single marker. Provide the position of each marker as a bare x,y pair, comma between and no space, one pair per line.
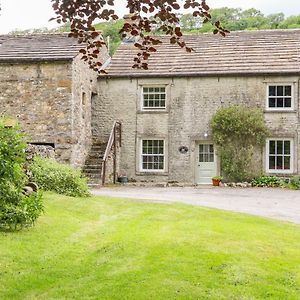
237,131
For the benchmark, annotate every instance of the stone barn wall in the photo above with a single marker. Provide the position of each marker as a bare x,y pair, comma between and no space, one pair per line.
46,99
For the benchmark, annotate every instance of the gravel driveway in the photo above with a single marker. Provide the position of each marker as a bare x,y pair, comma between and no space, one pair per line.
273,203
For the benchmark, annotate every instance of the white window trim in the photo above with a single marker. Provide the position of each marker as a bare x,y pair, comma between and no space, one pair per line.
292,97
142,97
272,171
141,156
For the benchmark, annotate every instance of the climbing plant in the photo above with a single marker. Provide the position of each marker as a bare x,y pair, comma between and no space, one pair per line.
237,132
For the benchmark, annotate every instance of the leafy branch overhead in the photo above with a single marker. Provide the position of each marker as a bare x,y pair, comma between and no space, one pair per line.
145,17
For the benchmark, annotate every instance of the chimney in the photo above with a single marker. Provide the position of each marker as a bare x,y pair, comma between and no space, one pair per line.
130,39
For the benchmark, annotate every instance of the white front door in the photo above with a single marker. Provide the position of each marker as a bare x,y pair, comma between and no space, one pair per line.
206,165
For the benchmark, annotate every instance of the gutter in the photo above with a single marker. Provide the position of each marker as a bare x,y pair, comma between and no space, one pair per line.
227,74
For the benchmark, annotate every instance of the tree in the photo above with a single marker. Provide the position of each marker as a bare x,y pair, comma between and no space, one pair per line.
145,16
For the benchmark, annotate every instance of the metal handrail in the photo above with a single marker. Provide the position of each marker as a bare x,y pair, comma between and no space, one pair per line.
112,142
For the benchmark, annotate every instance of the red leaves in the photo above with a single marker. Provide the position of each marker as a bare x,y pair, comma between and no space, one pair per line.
178,31
161,15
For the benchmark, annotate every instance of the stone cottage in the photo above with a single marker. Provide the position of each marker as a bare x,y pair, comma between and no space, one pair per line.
165,111
47,87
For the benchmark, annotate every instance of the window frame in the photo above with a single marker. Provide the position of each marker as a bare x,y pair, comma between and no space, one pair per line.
280,108
141,155
292,153
150,109
207,153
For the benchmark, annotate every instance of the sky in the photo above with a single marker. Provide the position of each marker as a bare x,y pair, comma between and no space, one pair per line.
26,14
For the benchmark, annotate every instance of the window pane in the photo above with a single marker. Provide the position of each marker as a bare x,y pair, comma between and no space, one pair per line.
279,147
287,162
272,90
201,148
272,162
288,90
211,158
272,102
288,102
287,147
280,90
279,102
211,148
272,147
279,162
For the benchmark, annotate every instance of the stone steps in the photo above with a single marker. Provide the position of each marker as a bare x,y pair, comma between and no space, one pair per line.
93,165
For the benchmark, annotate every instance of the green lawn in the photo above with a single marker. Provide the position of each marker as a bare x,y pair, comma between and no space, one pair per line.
101,248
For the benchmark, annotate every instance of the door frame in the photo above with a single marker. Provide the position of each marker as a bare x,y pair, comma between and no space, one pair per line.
196,158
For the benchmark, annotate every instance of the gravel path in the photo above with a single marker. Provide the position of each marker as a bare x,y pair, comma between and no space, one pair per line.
273,203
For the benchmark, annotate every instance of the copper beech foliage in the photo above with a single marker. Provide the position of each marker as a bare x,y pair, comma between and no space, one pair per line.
145,16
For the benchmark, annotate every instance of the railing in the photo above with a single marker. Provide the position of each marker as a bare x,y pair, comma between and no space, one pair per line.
114,140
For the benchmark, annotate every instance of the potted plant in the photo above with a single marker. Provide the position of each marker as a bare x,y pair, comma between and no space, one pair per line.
123,178
216,180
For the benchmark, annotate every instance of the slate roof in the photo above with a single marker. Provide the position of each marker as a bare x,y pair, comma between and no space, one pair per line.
239,53
37,47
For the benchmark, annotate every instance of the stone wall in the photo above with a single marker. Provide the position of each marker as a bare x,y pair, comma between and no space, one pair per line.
191,104
52,102
83,87
39,96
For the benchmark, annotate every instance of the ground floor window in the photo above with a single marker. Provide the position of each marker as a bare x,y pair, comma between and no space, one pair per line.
279,155
153,155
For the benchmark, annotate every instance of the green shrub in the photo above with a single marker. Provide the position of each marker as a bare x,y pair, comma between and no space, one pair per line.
24,212
237,132
295,182
16,208
60,178
268,181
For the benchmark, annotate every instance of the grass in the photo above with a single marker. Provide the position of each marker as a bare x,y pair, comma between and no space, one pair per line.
101,248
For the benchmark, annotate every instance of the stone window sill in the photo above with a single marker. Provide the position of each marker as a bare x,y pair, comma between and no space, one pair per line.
153,111
280,111
152,173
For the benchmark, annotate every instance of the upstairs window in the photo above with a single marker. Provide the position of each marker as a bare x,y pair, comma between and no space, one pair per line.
280,97
154,97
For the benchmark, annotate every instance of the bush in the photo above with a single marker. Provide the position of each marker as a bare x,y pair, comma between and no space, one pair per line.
295,182
60,178
237,132
24,213
16,208
268,181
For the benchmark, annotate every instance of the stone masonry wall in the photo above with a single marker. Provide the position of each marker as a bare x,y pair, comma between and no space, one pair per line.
191,104
83,87
39,96
52,102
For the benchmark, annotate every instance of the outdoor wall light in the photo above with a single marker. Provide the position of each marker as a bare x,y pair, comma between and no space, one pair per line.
205,134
